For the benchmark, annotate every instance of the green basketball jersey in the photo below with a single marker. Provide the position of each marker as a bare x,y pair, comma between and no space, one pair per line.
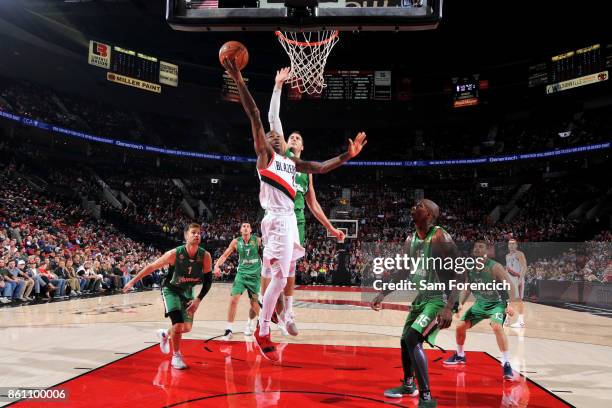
301,187
421,249
248,256
186,271
484,276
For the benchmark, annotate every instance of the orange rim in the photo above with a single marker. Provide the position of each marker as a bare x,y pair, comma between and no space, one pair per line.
282,36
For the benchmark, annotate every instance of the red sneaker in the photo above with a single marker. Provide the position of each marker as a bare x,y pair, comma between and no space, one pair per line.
265,345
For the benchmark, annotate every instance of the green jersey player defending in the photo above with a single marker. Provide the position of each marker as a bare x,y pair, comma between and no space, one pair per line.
430,311
247,278
490,304
190,265
305,194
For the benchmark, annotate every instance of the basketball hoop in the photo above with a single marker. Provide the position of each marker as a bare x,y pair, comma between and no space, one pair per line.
308,52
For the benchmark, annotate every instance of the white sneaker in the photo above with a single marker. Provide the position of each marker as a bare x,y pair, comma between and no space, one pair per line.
164,341
3,300
518,325
177,362
248,331
282,327
290,325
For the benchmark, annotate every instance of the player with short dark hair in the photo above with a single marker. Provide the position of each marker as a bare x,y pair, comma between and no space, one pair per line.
248,277
490,304
277,193
190,265
304,195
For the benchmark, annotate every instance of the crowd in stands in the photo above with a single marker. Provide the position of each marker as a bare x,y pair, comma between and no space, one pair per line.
106,256
535,132
50,248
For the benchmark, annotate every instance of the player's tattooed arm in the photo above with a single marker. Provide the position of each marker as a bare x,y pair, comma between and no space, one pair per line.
312,167
262,148
444,247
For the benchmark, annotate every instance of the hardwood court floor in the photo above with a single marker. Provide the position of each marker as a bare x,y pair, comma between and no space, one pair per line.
568,353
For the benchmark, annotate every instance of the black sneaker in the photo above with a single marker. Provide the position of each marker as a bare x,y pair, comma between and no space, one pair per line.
455,359
428,403
228,335
406,389
508,372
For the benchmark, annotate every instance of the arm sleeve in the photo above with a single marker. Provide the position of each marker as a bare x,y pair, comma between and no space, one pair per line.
206,284
273,113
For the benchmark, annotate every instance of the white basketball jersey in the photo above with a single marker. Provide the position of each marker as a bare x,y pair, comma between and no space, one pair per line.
512,262
277,185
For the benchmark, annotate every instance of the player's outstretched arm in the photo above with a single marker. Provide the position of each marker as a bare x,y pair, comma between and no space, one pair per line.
228,251
317,211
353,150
275,101
166,259
262,147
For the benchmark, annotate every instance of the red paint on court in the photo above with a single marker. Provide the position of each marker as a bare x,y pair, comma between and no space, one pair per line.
233,374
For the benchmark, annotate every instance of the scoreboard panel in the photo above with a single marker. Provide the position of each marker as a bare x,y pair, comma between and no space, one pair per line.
132,68
134,64
351,85
571,69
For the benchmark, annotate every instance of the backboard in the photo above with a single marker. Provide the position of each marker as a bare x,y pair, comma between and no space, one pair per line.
274,15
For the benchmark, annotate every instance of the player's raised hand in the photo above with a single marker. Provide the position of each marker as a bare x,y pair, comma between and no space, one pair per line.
232,69
355,146
282,75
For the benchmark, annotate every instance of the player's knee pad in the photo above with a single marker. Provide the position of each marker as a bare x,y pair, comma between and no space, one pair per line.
176,317
413,338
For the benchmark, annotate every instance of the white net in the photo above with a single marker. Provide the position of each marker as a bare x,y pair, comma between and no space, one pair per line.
308,52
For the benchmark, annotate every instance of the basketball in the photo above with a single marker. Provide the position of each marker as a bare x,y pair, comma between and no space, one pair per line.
236,50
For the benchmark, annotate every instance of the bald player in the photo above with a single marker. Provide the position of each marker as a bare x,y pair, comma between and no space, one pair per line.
431,310
516,265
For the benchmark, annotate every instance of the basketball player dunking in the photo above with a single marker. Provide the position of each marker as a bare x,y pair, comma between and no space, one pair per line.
248,276
516,265
304,194
277,193
189,264
431,310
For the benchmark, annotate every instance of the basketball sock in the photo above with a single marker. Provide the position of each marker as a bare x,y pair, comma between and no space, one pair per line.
229,326
269,301
505,357
460,351
288,306
521,318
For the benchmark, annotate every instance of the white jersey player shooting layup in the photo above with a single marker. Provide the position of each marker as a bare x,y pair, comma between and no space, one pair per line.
516,265
277,192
